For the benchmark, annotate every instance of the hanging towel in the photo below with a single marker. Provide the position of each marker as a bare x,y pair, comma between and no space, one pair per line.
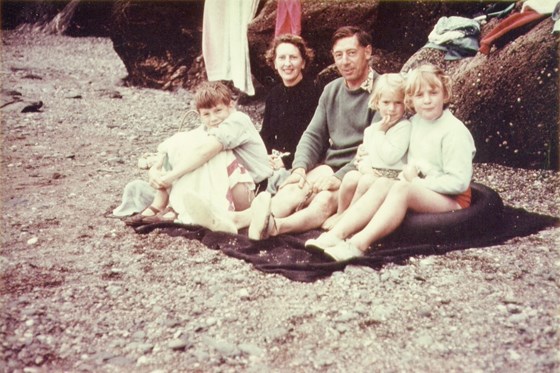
513,22
225,46
288,17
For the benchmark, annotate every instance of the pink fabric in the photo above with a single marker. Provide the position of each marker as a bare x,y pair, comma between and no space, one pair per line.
508,24
288,17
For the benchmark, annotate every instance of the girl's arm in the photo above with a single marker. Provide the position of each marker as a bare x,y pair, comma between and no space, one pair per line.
392,145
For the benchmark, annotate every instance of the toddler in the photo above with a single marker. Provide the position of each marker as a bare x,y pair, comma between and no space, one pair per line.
383,151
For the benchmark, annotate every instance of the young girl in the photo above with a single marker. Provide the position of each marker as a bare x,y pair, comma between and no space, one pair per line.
383,151
436,179
213,167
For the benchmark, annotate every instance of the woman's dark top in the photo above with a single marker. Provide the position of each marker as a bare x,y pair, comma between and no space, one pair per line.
287,112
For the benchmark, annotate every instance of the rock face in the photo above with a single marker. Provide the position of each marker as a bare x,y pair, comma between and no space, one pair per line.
68,17
157,41
508,99
398,29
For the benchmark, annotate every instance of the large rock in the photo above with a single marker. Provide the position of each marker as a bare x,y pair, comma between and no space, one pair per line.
508,99
157,41
65,17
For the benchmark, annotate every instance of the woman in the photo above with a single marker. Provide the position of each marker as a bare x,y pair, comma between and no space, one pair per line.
290,105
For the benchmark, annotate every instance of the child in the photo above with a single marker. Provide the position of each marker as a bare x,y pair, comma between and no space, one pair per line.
436,179
383,151
214,166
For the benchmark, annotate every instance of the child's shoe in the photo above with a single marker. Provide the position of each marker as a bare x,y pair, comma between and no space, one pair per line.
324,241
344,250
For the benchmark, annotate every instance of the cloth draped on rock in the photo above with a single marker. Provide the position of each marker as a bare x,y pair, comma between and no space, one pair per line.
225,46
458,36
288,17
509,28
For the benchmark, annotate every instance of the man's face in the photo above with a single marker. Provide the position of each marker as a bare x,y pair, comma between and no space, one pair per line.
351,59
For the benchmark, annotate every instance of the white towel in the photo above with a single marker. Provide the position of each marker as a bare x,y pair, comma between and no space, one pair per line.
225,46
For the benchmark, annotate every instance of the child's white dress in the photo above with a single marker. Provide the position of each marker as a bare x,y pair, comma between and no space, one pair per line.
211,182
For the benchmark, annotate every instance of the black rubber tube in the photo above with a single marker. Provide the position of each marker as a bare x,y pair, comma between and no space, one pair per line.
485,211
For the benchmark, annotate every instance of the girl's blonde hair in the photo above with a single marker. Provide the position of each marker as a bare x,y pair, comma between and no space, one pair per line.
429,75
386,83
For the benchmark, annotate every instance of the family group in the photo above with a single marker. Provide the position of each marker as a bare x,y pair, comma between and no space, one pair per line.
352,159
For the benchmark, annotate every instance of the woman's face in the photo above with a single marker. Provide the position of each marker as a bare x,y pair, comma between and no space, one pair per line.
289,63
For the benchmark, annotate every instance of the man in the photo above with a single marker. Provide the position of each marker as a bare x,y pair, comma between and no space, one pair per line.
327,147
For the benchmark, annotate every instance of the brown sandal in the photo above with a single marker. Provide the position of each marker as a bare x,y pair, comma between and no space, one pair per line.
160,216
138,219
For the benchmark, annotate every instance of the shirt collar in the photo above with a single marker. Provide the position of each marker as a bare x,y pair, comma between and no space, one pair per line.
367,85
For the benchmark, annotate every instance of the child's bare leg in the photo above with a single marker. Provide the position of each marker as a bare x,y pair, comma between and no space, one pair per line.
347,190
161,199
242,195
321,207
345,196
365,182
242,198
401,197
360,213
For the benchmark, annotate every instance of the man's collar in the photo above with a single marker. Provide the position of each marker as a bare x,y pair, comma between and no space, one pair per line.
367,85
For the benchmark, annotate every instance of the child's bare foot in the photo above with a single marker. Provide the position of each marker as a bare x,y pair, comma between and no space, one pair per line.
331,221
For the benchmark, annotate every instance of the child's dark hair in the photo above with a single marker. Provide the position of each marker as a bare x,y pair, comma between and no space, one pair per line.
297,41
211,94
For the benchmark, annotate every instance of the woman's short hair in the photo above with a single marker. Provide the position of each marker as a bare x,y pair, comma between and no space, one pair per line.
211,94
428,74
306,53
392,82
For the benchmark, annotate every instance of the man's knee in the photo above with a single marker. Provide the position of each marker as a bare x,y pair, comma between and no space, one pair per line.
325,203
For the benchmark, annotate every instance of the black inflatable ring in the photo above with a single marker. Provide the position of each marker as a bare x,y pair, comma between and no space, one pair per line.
484,212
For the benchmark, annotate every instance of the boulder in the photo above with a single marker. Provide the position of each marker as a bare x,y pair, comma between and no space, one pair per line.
157,41
65,17
509,98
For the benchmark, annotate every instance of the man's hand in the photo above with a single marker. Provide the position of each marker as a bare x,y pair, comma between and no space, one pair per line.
298,176
327,183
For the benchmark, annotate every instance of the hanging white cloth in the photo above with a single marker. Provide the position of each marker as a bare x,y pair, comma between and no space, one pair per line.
225,46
